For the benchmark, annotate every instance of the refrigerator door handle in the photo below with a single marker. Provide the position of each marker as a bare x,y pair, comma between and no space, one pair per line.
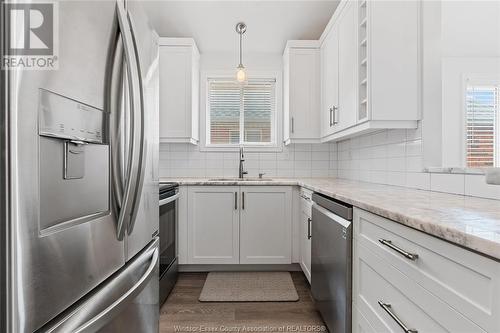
143,144
119,125
82,319
135,151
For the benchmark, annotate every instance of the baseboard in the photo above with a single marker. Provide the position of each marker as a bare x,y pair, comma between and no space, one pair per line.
239,268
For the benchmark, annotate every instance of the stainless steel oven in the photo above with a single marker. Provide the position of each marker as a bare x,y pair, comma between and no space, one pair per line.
169,195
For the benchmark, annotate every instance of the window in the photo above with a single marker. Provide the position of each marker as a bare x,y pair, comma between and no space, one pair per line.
241,114
482,125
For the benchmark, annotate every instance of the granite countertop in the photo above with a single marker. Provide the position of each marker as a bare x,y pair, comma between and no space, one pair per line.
473,223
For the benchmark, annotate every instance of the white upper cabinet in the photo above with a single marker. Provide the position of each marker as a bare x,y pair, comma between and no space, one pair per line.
301,92
370,68
179,90
329,81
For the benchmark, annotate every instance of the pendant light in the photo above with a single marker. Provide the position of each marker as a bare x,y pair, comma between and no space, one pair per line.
241,75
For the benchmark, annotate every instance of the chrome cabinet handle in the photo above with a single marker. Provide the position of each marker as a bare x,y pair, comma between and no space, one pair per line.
388,243
304,197
331,116
335,110
387,308
293,125
169,200
243,200
309,228
235,200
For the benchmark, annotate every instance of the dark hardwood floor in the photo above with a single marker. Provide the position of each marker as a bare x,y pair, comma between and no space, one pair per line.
182,312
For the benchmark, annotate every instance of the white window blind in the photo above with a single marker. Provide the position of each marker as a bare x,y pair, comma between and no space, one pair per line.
482,125
241,114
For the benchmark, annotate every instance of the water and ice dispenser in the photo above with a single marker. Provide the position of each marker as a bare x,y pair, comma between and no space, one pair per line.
74,161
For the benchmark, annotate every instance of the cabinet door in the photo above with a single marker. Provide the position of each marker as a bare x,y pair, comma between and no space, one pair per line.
265,225
329,80
346,114
304,94
213,228
305,244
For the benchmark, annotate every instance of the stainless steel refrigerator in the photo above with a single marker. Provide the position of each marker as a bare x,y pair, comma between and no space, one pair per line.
79,177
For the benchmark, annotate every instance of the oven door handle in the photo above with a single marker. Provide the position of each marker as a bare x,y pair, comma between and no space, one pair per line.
169,199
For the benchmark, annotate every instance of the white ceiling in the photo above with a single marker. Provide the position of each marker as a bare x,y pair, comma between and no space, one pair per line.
212,23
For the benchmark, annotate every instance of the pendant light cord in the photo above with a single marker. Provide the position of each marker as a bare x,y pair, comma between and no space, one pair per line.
241,37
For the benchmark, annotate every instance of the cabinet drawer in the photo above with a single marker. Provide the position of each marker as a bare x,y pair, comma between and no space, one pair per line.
463,279
379,283
359,322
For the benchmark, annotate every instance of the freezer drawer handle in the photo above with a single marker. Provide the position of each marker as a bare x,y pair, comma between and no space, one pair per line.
125,298
82,319
387,308
388,243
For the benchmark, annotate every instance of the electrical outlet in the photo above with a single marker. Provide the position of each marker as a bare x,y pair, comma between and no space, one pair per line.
493,176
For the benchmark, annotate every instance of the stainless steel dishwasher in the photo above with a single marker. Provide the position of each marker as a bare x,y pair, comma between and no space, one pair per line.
331,256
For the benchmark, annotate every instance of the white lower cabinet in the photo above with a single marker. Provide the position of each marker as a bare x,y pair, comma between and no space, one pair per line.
213,225
265,225
305,232
429,285
239,225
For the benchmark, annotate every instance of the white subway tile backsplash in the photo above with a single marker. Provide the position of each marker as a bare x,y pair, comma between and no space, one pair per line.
414,148
396,178
183,147
414,164
267,156
396,164
319,173
418,180
320,165
449,183
392,157
303,173
185,160
320,155
316,148
179,155
214,164
395,136
476,185
303,164
303,147
267,164
251,163
414,134
285,165
303,155
231,164
396,149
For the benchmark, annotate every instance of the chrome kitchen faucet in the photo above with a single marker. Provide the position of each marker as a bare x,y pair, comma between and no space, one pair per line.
242,159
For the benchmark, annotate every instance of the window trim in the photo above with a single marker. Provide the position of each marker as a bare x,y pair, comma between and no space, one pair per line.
478,80
276,146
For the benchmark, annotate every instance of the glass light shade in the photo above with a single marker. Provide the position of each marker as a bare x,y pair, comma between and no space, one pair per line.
241,75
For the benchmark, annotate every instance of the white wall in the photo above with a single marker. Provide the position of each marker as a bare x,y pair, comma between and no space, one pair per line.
470,46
